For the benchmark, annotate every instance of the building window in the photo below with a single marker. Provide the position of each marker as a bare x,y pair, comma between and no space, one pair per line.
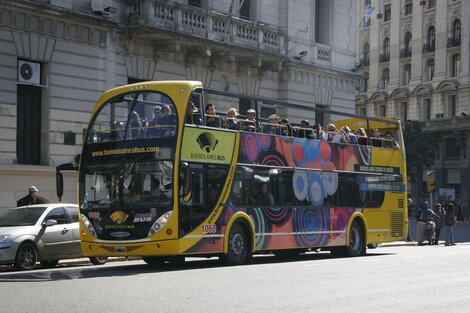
406,51
362,111
322,21
387,12
385,56
244,9
408,7
382,110
429,69
431,4
365,82
403,111
452,105
431,40
406,74
456,31
427,109
195,3
367,3
385,78
366,55
452,148
455,65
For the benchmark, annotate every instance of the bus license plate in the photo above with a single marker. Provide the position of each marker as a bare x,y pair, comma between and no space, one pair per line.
120,249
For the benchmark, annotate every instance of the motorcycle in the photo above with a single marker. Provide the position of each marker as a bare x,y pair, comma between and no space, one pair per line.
429,231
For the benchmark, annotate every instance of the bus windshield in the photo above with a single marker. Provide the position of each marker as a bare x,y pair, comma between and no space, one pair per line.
134,115
128,185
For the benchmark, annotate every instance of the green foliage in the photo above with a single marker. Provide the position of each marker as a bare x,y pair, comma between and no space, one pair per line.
420,147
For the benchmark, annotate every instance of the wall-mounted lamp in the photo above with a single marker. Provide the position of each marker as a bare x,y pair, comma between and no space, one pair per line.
301,55
422,3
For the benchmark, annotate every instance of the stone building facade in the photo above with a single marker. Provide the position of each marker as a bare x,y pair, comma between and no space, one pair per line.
58,56
415,60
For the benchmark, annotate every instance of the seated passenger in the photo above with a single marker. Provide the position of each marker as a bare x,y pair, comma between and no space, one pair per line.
273,126
152,130
362,136
288,130
352,139
231,121
304,131
376,141
265,197
389,141
157,195
192,115
166,121
212,119
336,136
135,125
250,123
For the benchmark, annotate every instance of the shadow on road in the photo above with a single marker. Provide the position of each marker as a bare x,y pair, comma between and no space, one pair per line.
139,268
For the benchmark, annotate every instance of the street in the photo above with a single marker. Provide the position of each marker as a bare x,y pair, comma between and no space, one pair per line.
389,279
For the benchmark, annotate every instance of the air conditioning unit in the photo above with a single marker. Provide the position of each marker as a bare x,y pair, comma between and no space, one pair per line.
29,72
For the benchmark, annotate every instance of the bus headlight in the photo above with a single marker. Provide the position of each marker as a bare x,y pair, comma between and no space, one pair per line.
159,223
88,226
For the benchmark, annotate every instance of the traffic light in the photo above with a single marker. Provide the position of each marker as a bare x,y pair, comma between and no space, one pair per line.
430,185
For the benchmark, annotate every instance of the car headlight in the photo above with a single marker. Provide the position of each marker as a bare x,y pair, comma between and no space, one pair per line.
88,226
159,223
4,238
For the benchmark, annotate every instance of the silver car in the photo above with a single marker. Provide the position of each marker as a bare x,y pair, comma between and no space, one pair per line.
43,232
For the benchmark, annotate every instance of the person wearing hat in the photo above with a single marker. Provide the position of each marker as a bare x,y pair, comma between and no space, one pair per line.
272,127
250,123
305,131
31,198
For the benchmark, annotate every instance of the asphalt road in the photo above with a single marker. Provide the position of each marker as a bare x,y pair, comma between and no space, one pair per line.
388,279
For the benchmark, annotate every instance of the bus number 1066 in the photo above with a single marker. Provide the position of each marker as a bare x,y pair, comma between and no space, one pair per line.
209,228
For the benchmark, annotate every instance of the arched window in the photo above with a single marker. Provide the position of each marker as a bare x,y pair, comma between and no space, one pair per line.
454,71
407,45
406,74
431,39
385,78
366,54
430,69
456,31
386,50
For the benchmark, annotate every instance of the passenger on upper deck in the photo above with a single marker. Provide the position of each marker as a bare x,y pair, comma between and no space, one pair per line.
192,115
250,123
375,138
361,136
231,121
389,141
336,136
288,130
152,130
320,133
273,126
352,139
135,125
212,119
304,131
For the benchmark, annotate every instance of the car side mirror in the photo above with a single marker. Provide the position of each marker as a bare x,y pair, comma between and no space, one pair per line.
49,223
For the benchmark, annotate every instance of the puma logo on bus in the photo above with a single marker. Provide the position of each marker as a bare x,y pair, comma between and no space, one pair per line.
207,142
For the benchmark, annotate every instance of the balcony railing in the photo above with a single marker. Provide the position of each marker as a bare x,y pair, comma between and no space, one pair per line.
427,48
448,123
384,58
405,53
453,42
365,62
207,24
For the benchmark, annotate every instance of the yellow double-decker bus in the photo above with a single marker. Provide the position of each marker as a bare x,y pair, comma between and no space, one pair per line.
157,181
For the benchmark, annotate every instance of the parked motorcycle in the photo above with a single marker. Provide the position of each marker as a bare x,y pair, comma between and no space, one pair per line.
429,231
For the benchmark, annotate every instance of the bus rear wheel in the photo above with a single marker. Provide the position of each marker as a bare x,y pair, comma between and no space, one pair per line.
356,245
238,246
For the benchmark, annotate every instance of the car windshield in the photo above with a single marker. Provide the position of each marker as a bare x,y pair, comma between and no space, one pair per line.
21,216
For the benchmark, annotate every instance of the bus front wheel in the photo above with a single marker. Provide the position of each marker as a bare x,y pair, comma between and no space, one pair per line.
238,246
356,245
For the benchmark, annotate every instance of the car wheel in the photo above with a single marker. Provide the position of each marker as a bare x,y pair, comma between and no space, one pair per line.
98,260
49,264
238,246
26,257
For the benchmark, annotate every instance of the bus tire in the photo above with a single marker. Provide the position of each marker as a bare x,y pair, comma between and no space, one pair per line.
98,260
238,246
356,245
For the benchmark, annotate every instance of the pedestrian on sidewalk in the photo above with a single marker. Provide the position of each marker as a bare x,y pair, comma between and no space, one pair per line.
440,222
450,222
411,209
459,211
31,198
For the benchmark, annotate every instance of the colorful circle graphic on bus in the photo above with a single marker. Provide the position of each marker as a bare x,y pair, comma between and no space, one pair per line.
276,215
316,192
261,227
250,145
310,226
300,185
330,183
